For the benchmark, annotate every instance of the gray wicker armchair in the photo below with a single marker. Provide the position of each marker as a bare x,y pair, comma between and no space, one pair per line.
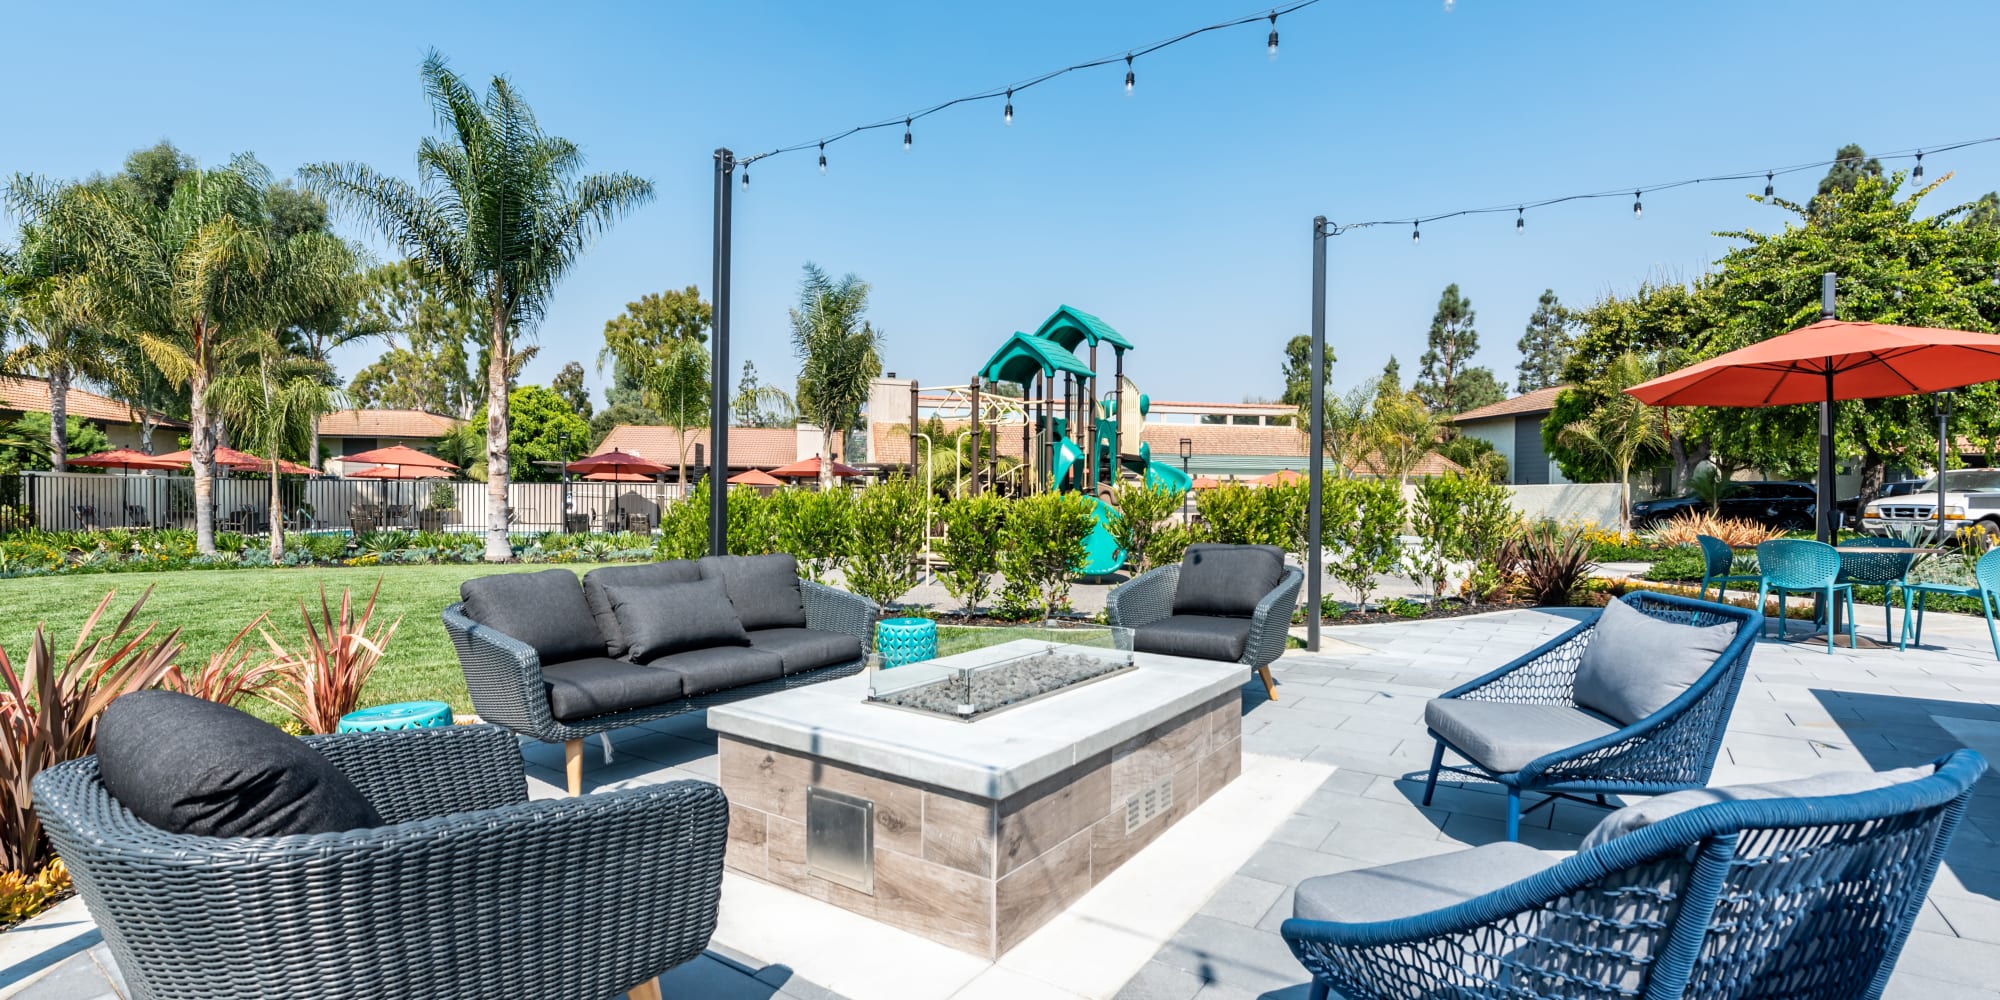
474,891
1150,600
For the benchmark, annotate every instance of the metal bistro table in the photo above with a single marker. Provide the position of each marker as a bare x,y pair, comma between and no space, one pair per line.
1840,636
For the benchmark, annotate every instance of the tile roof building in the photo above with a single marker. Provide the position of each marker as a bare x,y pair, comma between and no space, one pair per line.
749,447
350,432
120,422
1514,428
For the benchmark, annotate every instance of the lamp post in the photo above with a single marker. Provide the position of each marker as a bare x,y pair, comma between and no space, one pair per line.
1187,452
1942,401
562,470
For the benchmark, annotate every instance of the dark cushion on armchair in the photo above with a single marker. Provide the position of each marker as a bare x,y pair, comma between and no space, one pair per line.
1227,580
705,671
598,582
546,610
664,618
804,649
765,589
191,766
599,685
1195,636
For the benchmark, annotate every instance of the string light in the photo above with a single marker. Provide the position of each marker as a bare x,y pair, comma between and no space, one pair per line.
1770,186
1416,235
746,177
1520,221
1273,43
1128,74
1918,173
822,159
1007,116
906,135
1638,210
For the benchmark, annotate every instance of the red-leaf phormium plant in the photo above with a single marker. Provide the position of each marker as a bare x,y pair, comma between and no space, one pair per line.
321,680
229,675
49,712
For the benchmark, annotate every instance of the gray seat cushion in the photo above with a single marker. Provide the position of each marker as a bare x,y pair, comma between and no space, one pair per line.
1197,636
546,610
1227,580
661,618
1503,737
719,668
765,589
1636,664
599,685
1638,816
1417,886
597,582
804,649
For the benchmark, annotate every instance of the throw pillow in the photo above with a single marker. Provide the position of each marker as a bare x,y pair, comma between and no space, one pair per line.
595,593
1636,664
765,589
1227,580
546,610
1660,808
661,619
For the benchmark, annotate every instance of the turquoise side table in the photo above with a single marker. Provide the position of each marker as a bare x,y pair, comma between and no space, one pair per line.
402,715
905,640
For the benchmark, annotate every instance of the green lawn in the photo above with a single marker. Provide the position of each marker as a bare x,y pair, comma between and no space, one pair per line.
211,606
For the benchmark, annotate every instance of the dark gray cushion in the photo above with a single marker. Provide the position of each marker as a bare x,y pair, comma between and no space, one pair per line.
662,618
1227,580
1634,818
1636,664
1418,886
765,589
1504,736
191,766
1196,636
805,649
598,580
719,668
580,689
545,610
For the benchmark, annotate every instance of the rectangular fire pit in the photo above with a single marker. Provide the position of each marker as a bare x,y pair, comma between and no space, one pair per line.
974,833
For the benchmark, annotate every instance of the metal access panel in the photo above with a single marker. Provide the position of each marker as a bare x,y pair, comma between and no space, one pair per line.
840,838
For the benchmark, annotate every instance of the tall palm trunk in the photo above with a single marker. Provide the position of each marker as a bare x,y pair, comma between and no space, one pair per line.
59,417
497,548
202,449
826,456
277,512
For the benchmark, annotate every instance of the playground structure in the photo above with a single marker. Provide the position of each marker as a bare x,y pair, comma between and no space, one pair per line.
1061,405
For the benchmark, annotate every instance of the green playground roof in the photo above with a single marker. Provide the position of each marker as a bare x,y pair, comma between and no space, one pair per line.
1070,326
1025,355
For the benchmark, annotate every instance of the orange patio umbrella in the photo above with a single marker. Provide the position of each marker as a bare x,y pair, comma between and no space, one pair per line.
126,459
618,477
615,461
399,472
754,477
809,469
1282,477
227,457
1206,483
397,455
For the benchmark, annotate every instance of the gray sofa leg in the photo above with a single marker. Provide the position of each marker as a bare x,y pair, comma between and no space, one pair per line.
573,769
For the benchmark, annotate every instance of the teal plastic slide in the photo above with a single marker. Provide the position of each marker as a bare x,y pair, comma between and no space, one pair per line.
1102,556
1161,476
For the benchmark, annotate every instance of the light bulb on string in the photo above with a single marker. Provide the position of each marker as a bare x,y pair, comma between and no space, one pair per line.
1007,116
746,177
1272,44
822,159
1128,74
1520,221
1770,186
906,135
1416,235
1638,210
1918,173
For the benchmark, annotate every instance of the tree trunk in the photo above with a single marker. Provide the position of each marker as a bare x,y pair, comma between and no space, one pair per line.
1874,468
497,547
1686,459
59,417
201,432
312,453
1624,498
277,512
826,456
146,425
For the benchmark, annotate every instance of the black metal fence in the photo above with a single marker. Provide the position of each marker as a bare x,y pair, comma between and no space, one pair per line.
53,501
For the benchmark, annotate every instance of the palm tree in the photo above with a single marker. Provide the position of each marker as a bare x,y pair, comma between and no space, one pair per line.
1620,430
838,355
677,389
199,283
275,407
500,217
1402,430
47,306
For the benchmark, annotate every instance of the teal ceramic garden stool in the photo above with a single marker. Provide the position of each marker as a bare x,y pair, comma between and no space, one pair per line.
905,640
402,715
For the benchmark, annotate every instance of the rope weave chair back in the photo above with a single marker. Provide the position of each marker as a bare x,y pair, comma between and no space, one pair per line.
1987,571
1796,564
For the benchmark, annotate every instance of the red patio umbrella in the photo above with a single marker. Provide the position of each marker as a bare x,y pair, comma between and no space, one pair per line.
126,459
618,477
227,457
808,468
755,477
615,461
398,455
399,472
1282,477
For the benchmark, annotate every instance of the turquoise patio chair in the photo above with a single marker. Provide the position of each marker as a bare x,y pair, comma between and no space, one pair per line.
1793,566
1716,560
1878,569
1986,577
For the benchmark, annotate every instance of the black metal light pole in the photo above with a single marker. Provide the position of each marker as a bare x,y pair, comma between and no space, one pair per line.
1943,403
1187,452
1315,444
718,363
1826,498
562,470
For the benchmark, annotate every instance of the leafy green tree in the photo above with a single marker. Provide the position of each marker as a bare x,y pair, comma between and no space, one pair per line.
500,217
759,405
1361,525
1545,346
151,174
26,441
1401,431
1345,431
1488,524
677,388
657,322
1141,510
1449,382
839,352
274,407
973,529
1475,455
568,384
1667,325
1850,165
429,365
47,306
1620,430
1436,518
540,416
814,526
1043,545
1391,379
1298,371
886,541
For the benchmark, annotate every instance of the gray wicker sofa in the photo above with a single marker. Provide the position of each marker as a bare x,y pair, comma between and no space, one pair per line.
1221,602
559,660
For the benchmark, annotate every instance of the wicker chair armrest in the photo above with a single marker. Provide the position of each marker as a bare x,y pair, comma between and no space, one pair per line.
575,898
1271,623
502,674
1144,599
1545,675
418,773
836,610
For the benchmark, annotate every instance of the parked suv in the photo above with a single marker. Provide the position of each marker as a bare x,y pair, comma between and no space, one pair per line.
1850,508
1971,496
1784,505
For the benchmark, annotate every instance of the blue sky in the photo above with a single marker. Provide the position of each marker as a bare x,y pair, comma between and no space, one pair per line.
1181,215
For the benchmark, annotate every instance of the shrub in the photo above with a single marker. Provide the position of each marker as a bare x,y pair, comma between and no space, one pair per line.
886,540
443,497
1360,524
229,675
22,895
971,547
1740,533
1488,521
751,528
812,525
1044,545
49,711
684,526
1438,520
1141,509
1549,562
1684,563
322,680
1251,515
1170,542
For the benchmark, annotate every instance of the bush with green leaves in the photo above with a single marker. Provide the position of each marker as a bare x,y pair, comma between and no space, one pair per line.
812,525
1170,542
1253,515
973,527
751,528
684,526
1361,523
444,497
1487,521
1043,545
1437,518
886,540
1141,509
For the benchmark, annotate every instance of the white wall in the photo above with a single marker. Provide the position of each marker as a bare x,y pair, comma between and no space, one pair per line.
1591,503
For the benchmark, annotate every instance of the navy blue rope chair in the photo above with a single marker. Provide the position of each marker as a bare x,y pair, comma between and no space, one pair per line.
1561,750
1806,898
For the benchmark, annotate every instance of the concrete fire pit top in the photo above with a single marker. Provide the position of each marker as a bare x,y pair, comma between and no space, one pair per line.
991,757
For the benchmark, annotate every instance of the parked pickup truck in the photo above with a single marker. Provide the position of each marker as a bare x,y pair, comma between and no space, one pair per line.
1971,496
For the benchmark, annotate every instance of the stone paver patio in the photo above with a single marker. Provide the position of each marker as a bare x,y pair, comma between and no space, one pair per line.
1358,706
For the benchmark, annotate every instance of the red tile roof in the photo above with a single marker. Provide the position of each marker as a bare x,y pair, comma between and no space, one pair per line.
411,424
1539,401
31,395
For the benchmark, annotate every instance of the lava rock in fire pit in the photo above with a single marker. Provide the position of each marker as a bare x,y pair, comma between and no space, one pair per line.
973,692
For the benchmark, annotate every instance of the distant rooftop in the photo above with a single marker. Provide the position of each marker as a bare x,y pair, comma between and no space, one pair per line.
23,394
1526,404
